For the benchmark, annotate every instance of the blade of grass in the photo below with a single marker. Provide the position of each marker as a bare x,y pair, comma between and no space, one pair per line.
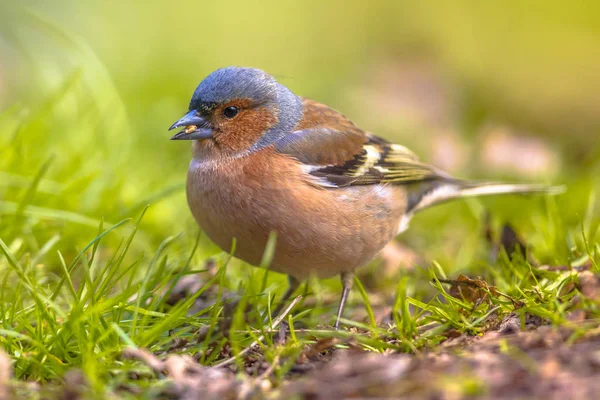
365,297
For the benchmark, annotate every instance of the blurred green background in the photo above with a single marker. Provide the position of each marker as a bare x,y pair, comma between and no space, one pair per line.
505,90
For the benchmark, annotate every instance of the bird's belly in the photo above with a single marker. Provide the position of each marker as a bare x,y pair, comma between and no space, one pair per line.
319,231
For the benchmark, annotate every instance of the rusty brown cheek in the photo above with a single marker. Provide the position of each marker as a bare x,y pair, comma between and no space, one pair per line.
239,133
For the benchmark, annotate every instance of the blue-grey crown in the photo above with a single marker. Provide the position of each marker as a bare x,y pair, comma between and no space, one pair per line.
230,83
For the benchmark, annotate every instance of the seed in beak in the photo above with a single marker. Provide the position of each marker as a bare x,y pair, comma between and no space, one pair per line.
190,128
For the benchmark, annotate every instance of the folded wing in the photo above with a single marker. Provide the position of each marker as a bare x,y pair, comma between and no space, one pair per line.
339,154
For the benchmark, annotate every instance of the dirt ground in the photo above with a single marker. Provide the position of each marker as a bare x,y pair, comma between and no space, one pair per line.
538,362
501,364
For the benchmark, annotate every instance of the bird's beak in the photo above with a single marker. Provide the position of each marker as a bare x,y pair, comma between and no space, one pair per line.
196,127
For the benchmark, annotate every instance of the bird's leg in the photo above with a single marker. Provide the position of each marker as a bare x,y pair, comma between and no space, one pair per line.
293,284
347,281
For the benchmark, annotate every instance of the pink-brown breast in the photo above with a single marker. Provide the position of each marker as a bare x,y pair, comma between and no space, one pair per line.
319,231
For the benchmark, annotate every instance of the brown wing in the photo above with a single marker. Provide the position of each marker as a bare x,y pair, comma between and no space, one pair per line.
341,154
323,137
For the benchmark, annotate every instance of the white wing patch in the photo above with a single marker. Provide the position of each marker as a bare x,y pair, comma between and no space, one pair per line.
307,169
381,169
319,181
373,155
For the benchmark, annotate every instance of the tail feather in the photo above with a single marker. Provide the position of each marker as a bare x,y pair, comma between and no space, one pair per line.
430,193
491,188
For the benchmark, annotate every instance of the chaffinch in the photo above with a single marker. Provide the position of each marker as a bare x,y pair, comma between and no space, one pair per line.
267,160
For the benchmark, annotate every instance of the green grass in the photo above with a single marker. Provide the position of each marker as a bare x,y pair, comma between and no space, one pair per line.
85,314
95,234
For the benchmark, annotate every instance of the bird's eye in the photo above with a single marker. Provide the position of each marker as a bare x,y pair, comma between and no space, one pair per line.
230,111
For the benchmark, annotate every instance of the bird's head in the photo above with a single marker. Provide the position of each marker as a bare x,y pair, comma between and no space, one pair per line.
239,109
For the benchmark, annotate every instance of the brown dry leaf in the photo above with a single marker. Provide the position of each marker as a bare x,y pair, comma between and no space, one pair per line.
452,334
314,352
471,290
